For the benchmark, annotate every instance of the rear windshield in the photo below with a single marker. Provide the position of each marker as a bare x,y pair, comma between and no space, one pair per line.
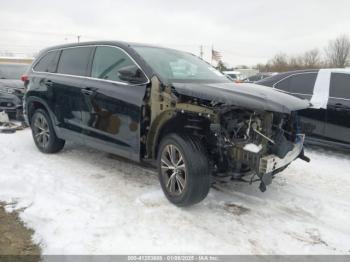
12,71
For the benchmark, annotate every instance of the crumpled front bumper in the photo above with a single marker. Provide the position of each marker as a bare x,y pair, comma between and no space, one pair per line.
270,163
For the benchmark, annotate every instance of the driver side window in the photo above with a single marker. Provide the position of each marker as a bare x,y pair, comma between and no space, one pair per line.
108,61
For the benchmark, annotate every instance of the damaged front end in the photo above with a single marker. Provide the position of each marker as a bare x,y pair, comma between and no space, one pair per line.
243,139
255,144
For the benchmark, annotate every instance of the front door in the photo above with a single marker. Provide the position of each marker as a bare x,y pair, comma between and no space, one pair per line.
112,111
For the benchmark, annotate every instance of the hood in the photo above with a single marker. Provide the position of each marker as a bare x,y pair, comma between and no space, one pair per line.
12,84
250,96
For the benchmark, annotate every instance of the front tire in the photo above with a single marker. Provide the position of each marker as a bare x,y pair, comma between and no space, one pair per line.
183,169
44,134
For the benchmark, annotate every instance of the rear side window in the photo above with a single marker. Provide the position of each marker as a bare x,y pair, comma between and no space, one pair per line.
299,83
283,85
47,63
74,61
340,85
107,62
303,83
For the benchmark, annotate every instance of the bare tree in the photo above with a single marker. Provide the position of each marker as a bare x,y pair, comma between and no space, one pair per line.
312,59
243,66
337,55
221,66
338,52
295,63
279,63
262,67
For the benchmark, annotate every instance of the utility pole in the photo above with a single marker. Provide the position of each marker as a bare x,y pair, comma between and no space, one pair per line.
201,52
78,38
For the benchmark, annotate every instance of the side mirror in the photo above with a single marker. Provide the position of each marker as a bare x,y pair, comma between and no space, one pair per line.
131,74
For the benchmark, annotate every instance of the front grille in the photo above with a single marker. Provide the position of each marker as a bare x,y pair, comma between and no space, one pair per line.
6,104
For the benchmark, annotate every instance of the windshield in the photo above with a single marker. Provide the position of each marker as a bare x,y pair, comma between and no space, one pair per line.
12,71
177,66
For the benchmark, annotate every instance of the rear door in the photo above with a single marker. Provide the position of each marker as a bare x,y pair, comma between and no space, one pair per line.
41,78
68,98
112,115
302,85
338,111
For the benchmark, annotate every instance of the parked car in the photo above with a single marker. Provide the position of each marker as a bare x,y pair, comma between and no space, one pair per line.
233,75
164,107
328,122
12,88
257,77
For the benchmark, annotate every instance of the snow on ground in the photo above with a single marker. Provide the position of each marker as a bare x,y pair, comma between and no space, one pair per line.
83,201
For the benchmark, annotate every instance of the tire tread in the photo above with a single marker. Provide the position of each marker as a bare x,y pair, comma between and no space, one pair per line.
198,168
56,144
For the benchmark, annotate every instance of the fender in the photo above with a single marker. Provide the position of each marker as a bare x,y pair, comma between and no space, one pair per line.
155,130
27,106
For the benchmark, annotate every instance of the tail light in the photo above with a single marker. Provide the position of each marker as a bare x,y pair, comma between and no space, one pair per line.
24,78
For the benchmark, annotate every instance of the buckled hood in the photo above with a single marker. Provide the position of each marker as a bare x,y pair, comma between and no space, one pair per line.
12,84
250,96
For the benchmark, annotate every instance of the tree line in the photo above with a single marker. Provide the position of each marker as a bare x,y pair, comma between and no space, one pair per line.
335,55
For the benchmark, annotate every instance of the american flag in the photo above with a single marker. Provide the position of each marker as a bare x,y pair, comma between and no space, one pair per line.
215,55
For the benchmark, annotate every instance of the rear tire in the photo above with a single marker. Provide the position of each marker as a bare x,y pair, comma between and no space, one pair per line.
44,134
183,169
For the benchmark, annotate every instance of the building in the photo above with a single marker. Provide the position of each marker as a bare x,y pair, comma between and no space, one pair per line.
20,60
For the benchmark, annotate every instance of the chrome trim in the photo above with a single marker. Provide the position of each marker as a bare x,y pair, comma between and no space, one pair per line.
341,98
286,92
301,94
89,77
347,99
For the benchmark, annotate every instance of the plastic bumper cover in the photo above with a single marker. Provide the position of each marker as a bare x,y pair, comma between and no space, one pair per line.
270,163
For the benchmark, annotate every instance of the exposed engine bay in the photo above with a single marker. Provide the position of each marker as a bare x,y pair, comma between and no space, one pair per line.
258,133
241,142
244,137
244,143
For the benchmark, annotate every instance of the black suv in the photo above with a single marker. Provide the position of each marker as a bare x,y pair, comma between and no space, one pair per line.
165,107
328,121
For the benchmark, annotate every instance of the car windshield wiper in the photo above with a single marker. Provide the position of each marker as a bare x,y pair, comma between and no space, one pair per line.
1,77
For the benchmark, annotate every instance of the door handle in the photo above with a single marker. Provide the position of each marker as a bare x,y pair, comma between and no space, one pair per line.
339,107
48,82
88,91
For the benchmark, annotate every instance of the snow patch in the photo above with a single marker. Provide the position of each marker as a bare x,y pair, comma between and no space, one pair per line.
80,201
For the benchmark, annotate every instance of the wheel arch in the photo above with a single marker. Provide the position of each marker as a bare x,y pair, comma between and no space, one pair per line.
156,130
34,103
166,123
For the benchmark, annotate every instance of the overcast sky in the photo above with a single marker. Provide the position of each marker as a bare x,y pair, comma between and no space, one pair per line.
245,31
